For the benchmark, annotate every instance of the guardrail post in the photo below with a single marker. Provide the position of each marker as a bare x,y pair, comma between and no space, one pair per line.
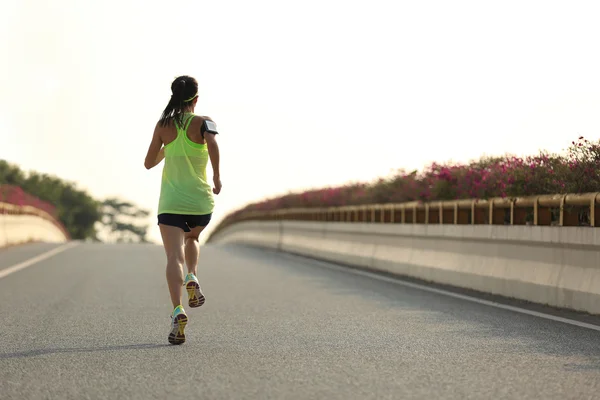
512,212
455,212
535,211
561,212
593,211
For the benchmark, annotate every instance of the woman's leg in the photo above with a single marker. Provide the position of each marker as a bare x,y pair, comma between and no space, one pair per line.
192,253
192,249
173,242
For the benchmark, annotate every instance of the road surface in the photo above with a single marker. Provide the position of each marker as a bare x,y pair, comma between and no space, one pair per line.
91,322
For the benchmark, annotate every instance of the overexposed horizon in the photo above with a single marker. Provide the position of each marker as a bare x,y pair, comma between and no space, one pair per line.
305,95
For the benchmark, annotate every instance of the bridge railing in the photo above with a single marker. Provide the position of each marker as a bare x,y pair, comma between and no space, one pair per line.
573,209
12,209
15,195
15,201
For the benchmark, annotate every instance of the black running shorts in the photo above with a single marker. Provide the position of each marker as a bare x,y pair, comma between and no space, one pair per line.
185,222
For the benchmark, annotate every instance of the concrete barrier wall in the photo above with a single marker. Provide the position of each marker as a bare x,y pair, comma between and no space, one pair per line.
558,266
261,234
15,229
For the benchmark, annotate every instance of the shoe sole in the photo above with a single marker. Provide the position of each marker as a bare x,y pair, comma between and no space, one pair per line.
196,298
177,335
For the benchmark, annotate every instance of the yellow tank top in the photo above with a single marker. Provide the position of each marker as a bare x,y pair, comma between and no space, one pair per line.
184,189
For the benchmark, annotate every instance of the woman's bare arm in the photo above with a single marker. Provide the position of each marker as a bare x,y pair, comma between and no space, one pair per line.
213,152
156,152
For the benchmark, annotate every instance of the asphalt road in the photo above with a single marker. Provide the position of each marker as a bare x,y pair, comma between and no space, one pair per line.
92,322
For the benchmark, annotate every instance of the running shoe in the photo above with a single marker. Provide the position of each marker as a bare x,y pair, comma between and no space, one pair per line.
179,320
195,296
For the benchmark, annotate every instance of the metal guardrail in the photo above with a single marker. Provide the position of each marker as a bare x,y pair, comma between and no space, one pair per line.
13,209
577,209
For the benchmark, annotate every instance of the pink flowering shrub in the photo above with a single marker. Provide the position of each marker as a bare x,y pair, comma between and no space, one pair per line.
578,171
582,168
15,195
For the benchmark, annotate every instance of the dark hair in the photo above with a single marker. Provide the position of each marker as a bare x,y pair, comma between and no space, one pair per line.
184,89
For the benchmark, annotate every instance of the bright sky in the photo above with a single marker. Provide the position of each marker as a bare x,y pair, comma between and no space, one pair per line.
305,94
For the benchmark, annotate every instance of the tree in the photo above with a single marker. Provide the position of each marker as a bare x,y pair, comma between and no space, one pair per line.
119,220
11,174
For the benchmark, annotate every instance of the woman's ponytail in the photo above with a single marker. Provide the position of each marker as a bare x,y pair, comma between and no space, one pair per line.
184,89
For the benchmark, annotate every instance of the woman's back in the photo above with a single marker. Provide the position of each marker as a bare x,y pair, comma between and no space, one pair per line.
184,188
168,133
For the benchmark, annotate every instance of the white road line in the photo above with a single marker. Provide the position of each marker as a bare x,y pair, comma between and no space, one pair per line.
398,281
17,267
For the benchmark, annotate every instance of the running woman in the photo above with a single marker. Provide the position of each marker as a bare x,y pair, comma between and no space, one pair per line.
186,142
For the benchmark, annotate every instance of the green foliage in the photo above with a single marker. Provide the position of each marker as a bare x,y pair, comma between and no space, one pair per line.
79,212
11,174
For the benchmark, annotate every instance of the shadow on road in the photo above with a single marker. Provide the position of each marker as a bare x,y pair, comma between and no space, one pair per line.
39,352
